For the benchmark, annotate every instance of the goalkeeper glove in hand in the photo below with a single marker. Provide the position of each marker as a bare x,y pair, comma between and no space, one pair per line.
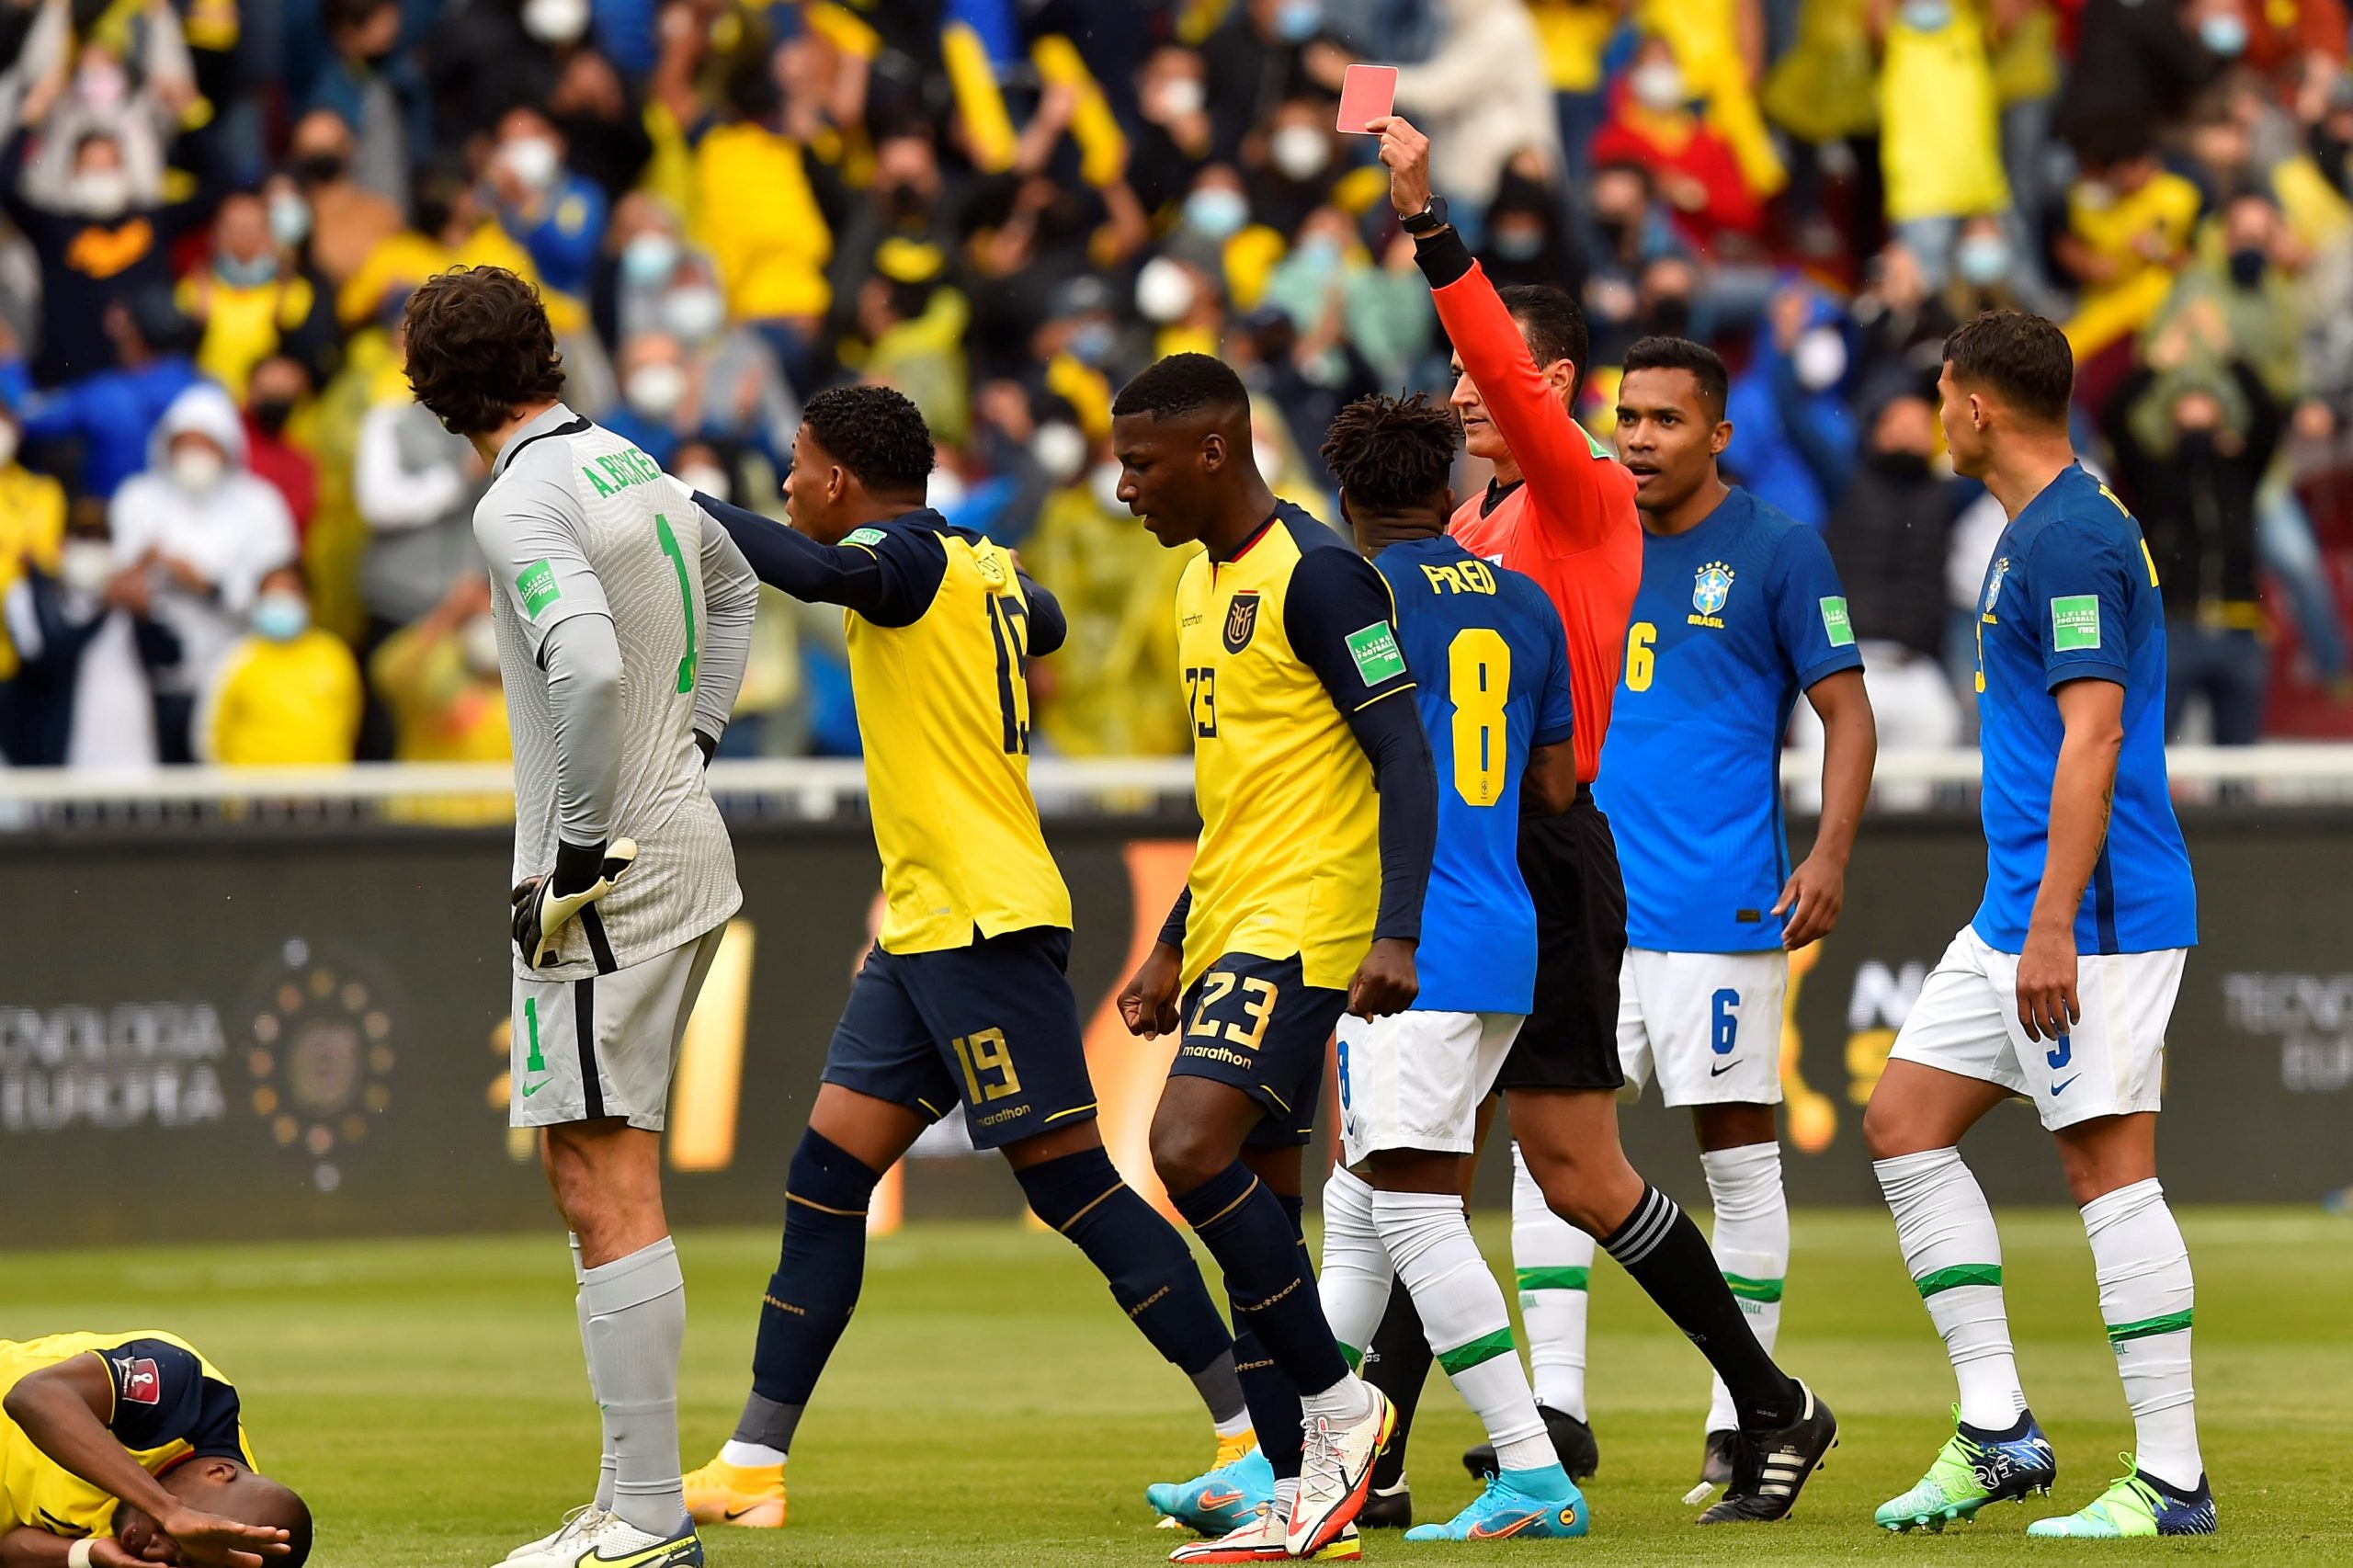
544,906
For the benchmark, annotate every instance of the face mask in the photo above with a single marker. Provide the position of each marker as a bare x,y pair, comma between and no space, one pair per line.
319,169
1216,212
1670,315
102,84
1296,21
1105,483
907,201
290,221
1299,152
1164,289
712,481
1927,15
478,644
1517,244
281,617
1321,254
2226,36
101,193
246,274
655,391
555,21
1060,450
1982,259
534,160
2246,267
2097,195
944,491
1907,468
649,258
1181,97
694,313
86,565
1819,358
1657,86
197,468
271,414
1093,342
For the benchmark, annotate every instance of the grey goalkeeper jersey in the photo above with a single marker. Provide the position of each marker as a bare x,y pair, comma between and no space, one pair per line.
579,523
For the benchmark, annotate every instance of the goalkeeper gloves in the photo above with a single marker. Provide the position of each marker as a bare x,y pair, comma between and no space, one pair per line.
544,906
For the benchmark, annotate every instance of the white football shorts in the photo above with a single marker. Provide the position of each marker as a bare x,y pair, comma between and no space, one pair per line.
1413,1080
1708,1026
605,1044
2112,1062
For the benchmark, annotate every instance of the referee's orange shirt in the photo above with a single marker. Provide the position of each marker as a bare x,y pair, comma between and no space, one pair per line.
1571,523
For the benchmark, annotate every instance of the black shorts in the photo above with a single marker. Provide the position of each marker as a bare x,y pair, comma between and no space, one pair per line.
1570,1040
1252,1023
992,1024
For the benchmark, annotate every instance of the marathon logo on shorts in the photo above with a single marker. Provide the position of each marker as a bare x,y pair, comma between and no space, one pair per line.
1241,621
141,1382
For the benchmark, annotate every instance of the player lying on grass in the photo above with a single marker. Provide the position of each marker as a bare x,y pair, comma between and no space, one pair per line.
2059,987
1304,901
1490,673
1562,510
120,1448
1740,610
964,997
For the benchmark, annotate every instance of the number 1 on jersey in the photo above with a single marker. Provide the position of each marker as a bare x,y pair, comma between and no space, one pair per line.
686,597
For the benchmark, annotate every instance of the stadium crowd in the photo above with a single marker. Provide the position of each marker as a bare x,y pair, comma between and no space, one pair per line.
228,534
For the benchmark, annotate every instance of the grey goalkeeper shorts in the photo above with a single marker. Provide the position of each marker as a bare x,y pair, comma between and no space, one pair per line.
605,1044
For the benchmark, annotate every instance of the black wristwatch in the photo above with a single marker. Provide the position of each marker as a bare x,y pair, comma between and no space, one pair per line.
1429,221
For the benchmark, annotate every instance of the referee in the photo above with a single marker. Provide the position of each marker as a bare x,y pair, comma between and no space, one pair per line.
1562,510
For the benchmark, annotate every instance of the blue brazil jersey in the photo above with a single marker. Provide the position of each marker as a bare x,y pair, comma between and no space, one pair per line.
1491,665
2070,594
1734,618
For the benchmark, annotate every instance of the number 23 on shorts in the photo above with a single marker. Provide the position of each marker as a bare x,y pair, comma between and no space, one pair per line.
1257,1005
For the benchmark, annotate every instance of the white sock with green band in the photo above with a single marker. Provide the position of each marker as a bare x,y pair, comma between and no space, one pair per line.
2145,1296
1463,1314
1954,1255
1354,1280
1751,1242
1553,1260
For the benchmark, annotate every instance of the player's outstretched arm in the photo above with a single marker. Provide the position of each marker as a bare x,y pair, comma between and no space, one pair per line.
731,600
1341,618
1816,892
890,587
28,1547
2092,711
62,1410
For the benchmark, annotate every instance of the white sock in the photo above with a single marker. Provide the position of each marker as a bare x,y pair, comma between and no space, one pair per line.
1354,1280
1286,1497
1344,1400
749,1456
1234,1426
2146,1298
1554,1263
1954,1257
1465,1320
1752,1246
636,1309
580,1308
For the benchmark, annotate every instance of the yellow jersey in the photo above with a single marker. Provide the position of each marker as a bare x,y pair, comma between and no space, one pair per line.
936,665
288,704
169,1403
1277,646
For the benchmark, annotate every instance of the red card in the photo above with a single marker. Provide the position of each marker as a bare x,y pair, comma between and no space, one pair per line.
1367,92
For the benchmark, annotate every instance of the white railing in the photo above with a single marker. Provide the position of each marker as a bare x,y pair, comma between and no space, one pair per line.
823,787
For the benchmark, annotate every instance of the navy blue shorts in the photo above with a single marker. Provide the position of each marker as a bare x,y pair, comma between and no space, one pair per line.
992,1024
1252,1023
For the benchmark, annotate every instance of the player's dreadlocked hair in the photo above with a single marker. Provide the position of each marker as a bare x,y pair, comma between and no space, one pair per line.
1392,454
1182,383
479,347
874,432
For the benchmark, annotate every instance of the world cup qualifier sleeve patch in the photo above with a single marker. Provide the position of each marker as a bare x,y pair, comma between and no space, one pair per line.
536,585
1834,624
1374,648
2075,623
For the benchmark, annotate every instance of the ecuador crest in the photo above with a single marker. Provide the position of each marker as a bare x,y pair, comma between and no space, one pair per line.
1710,587
1241,621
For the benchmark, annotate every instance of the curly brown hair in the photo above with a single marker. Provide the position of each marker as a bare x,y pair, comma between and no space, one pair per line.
480,347
1392,455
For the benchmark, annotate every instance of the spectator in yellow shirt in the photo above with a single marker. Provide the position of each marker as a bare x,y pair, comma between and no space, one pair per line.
1941,136
32,524
439,677
2129,224
287,694
249,301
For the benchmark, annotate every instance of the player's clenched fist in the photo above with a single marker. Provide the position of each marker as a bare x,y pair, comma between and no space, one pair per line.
1386,981
1407,152
544,906
1148,1002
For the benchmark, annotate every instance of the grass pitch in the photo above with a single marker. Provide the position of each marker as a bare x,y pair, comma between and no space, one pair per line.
989,1407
